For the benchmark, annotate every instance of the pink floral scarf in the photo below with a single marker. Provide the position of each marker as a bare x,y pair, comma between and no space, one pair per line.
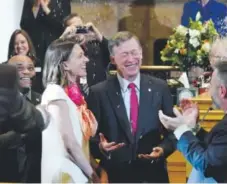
87,119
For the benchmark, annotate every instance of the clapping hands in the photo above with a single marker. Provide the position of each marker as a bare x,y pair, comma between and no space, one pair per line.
188,116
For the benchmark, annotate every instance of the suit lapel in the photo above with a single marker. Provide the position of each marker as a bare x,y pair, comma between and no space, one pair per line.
115,96
35,98
146,95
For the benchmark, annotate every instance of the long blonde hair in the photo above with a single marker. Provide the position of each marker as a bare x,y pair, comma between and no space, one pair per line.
58,52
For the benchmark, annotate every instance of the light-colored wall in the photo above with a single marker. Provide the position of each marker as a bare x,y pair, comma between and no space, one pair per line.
10,20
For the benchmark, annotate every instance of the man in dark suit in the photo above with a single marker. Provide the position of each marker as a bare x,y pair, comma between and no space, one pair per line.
131,147
205,151
17,116
28,155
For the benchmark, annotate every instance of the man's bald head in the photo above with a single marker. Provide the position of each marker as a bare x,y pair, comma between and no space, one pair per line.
19,58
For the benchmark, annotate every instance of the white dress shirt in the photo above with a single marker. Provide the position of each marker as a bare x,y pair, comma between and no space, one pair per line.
126,92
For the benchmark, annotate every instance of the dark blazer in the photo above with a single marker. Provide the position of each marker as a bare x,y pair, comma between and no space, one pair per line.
17,118
44,28
33,147
23,164
99,58
207,151
24,151
106,102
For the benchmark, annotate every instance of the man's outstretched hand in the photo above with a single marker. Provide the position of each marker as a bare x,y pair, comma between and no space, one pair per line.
108,146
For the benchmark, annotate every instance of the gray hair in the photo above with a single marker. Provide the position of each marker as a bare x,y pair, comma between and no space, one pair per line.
218,51
119,38
221,69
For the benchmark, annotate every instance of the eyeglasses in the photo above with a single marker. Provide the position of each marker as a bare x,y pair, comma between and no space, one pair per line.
133,53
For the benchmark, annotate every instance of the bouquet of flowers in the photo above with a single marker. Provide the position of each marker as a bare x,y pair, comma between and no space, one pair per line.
190,46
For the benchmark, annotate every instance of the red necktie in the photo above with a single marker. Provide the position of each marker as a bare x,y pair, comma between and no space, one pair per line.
134,107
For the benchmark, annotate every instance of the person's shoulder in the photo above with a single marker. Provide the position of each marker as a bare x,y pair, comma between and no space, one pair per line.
53,92
54,88
102,86
154,80
99,87
219,5
36,94
190,3
222,124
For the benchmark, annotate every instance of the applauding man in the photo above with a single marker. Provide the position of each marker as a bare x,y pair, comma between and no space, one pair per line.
205,151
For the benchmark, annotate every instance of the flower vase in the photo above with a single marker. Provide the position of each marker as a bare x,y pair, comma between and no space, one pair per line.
184,80
194,73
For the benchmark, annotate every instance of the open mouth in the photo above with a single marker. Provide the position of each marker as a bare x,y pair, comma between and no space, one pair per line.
131,65
21,50
25,80
83,67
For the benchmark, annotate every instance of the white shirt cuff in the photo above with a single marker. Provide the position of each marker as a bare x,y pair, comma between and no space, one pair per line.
180,130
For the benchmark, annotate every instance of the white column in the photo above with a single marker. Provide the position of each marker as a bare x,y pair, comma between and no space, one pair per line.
10,15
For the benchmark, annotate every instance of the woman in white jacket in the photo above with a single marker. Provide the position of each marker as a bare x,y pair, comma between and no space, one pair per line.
65,152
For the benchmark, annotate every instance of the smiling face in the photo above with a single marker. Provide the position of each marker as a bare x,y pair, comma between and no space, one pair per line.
76,64
128,58
25,68
21,46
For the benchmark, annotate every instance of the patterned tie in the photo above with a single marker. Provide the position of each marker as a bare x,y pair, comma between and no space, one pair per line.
134,107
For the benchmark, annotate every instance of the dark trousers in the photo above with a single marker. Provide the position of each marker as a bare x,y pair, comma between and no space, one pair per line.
9,166
137,172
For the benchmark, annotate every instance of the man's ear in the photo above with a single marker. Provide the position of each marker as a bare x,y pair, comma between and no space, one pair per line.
112,60
141,54
223,91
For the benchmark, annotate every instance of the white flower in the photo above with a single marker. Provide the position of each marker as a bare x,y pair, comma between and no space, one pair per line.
206,47
193,33
198,16
176,51
181,30
194,42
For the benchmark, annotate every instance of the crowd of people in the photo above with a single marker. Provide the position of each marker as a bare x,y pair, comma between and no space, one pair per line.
66,122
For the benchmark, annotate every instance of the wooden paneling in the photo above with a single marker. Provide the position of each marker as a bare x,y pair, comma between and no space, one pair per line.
176,168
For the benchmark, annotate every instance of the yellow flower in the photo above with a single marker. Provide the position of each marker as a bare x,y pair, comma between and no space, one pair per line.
183,51
206,47
173,42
